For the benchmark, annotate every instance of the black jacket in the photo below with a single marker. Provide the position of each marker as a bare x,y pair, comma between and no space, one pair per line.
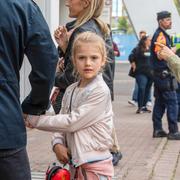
63,80
23,30
142,61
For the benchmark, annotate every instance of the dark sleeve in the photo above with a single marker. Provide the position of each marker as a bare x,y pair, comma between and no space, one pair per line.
115,47
132,56
42,55
66,78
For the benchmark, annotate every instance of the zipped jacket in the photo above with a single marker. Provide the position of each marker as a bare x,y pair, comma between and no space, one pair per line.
23,31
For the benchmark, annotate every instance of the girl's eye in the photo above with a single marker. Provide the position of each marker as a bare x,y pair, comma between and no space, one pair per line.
81,57
94,57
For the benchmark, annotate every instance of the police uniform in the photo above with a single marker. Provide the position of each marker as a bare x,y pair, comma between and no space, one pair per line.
165,85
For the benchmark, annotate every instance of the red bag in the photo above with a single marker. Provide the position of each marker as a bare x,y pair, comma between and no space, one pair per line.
57,173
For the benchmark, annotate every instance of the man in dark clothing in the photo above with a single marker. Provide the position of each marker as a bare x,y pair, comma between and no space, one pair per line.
164,83
23,30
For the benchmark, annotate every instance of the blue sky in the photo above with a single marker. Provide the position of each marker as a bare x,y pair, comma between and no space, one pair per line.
116,7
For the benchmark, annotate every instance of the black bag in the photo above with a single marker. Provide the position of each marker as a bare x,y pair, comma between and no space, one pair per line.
131,73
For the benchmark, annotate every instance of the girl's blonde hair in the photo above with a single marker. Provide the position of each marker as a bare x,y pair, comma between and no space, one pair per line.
93,11
89,37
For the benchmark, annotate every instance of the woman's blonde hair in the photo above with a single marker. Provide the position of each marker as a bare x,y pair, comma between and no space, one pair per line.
93,11
89,37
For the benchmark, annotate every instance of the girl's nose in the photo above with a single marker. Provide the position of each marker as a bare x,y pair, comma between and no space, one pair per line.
88,62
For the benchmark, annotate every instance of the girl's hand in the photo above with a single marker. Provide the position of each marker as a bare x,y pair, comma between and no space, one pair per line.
31,121
27,124
61,153
61,37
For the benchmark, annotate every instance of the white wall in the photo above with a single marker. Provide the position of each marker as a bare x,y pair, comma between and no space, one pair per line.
63,13
106,14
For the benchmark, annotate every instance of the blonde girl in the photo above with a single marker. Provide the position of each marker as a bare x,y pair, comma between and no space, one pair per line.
85,121
86,14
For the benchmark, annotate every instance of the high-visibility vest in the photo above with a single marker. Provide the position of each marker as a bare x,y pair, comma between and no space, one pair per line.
176,41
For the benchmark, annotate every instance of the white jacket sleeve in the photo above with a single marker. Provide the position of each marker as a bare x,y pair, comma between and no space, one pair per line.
91,110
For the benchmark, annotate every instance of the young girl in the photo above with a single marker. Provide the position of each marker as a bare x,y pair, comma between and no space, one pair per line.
85,14
85,120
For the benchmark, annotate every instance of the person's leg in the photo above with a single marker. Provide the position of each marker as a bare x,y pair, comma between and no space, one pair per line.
147,91
135,92
134,99
142,82
172,110
158,112
149,95
172,113
14,165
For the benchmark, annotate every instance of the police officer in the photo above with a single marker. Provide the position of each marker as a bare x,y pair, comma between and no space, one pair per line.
23,30
165,84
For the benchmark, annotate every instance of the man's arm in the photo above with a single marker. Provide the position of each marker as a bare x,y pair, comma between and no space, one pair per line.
173,60
42,55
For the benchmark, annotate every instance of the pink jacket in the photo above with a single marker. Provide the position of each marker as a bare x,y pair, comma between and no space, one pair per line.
87,129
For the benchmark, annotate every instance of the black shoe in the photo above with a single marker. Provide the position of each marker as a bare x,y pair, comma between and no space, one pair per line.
159,134
146,110
139,111
117,156
174,136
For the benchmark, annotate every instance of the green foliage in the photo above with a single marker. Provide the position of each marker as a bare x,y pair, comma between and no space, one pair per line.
177,3
124,25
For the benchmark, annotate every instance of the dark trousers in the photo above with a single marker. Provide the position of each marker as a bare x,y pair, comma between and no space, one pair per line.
165,100
144,88
14,165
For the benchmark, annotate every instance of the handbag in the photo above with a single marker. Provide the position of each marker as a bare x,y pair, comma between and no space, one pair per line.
131,73
56,172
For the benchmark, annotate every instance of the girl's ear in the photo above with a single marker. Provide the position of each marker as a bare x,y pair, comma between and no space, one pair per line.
86,3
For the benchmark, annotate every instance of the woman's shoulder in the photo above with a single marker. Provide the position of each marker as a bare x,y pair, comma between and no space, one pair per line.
90,25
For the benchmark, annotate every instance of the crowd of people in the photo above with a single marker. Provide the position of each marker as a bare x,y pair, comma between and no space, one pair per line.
155,63
81,70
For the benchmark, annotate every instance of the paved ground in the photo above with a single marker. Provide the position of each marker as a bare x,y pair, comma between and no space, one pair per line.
144,158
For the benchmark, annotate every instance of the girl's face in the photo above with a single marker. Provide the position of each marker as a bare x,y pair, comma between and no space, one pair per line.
76,7
88,61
